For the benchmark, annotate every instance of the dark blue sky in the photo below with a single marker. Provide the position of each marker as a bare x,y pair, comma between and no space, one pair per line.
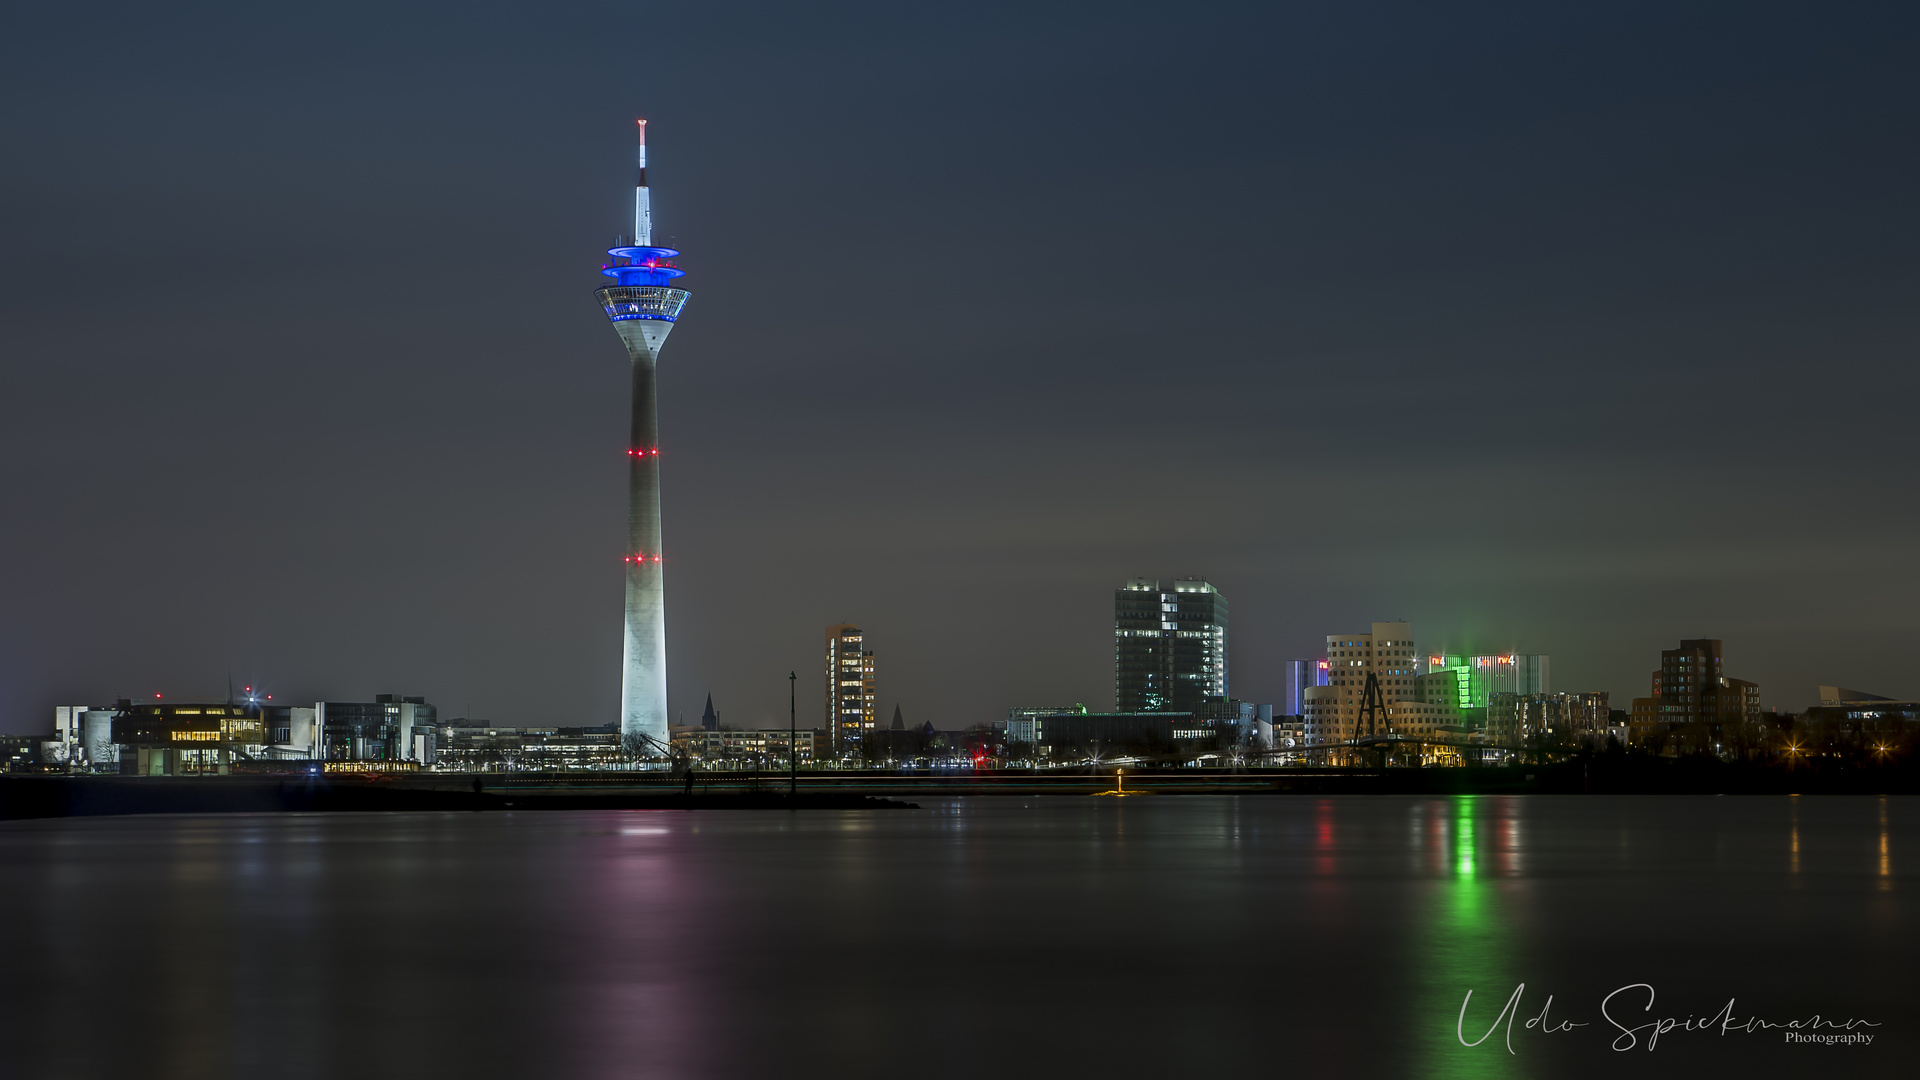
1573,331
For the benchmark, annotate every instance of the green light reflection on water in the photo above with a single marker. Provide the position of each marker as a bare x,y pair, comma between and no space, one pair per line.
1464,947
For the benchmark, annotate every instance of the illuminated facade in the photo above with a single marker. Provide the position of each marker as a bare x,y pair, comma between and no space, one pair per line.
509,749
1300,676
852,704
186,738
643,307
765,748
1478,678
86,737
1169,645
1333,710
1448,686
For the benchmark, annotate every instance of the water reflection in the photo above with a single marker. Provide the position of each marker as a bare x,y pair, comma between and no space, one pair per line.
1886,862
1324,862
1463,944
1317,936
1793,834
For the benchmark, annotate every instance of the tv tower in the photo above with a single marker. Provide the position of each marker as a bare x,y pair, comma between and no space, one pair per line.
642,306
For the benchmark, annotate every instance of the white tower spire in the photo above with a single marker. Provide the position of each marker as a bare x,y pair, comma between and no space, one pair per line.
642,203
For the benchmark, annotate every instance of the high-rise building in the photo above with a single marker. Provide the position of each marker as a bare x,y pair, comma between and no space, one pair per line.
1169,645
1333,711
851,700
643,306
1693,697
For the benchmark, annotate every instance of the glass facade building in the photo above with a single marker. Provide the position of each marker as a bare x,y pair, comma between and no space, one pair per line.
388,728
1169,645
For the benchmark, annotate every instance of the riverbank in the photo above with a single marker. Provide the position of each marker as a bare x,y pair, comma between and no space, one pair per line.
34,796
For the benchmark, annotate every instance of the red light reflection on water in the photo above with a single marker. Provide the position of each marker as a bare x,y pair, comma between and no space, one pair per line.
1324,862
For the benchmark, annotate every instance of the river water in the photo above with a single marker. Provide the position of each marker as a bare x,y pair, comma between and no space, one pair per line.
997,937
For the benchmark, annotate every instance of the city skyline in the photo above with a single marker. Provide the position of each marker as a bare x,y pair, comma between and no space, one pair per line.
1550,340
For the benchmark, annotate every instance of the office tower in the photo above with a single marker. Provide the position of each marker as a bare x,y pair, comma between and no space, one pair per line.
1333,710
1169,645
643,306
851,698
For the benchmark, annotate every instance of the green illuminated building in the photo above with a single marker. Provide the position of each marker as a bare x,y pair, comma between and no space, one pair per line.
1468,683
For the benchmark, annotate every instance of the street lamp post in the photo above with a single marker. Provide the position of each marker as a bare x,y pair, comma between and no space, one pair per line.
793,735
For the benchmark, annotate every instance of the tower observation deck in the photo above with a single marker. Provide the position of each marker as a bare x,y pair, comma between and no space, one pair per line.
643,305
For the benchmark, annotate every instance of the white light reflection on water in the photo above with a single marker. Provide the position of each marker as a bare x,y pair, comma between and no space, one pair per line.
1886,859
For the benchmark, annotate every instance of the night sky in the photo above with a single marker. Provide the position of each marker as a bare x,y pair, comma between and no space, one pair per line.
1573,329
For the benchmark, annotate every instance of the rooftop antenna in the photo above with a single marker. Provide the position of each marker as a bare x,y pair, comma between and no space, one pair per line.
642,204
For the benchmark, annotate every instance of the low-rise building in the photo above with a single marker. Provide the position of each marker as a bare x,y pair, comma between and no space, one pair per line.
26,753
761,748
1548,720
468,747
391,727
1020,719
1072,732
187,738
1853,717
1289,732
83,735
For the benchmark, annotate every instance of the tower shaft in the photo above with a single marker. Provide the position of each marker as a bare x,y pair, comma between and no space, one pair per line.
643,678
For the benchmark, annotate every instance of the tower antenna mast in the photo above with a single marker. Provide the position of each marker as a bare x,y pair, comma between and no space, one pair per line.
642,202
